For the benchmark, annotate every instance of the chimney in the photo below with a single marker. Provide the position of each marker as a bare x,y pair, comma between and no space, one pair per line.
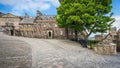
39,13
26,15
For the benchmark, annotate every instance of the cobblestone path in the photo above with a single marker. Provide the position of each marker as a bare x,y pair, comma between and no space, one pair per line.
51,53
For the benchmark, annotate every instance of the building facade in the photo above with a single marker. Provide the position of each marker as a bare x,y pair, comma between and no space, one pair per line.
27,27
41,26
46,27
10,23
112,37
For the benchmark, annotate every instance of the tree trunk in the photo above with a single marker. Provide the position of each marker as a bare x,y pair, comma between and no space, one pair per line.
88,35
104,37
76,34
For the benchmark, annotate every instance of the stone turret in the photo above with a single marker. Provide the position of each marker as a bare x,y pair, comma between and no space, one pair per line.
39,13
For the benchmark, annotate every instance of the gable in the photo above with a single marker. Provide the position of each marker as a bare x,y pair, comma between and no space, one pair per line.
109,37
9,15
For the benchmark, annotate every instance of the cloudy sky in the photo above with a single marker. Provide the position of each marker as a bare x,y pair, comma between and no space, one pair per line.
19,7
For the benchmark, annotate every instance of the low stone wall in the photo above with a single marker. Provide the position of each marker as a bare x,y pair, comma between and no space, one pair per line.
106,49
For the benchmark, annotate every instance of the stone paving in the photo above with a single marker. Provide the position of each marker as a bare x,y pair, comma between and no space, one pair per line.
14,53
50,53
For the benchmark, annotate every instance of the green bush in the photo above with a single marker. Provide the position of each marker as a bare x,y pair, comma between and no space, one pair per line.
92,45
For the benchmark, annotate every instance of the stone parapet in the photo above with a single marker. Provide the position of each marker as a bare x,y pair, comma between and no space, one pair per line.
106,49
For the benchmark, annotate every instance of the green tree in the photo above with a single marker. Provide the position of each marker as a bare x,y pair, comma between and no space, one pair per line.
91,16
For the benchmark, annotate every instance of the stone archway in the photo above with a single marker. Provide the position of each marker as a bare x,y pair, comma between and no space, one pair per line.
50,34
11,32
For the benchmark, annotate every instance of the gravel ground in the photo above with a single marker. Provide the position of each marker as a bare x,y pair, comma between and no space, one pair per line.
51,53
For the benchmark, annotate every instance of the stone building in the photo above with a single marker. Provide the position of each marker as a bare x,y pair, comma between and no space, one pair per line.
46,27
41,26
26,27
113,36
10,22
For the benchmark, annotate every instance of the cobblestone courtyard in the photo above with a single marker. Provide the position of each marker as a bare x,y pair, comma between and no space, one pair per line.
19,52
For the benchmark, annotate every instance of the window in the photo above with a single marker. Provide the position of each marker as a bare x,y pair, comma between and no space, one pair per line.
61,32
44,25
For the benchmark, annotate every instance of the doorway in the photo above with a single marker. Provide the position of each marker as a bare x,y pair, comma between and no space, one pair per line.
12,32
49,34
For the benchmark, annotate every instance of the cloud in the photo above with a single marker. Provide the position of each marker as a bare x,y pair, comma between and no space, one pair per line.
117,21
21,6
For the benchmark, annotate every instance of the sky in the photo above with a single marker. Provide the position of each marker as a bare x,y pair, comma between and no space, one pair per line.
48,7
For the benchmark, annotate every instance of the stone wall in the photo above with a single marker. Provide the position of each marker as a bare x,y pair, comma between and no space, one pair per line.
105,49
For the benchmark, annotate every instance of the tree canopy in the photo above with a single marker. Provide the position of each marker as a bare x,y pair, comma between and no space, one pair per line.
85,15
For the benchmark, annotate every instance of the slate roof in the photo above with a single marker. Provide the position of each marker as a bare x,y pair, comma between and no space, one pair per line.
28,20
46,17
